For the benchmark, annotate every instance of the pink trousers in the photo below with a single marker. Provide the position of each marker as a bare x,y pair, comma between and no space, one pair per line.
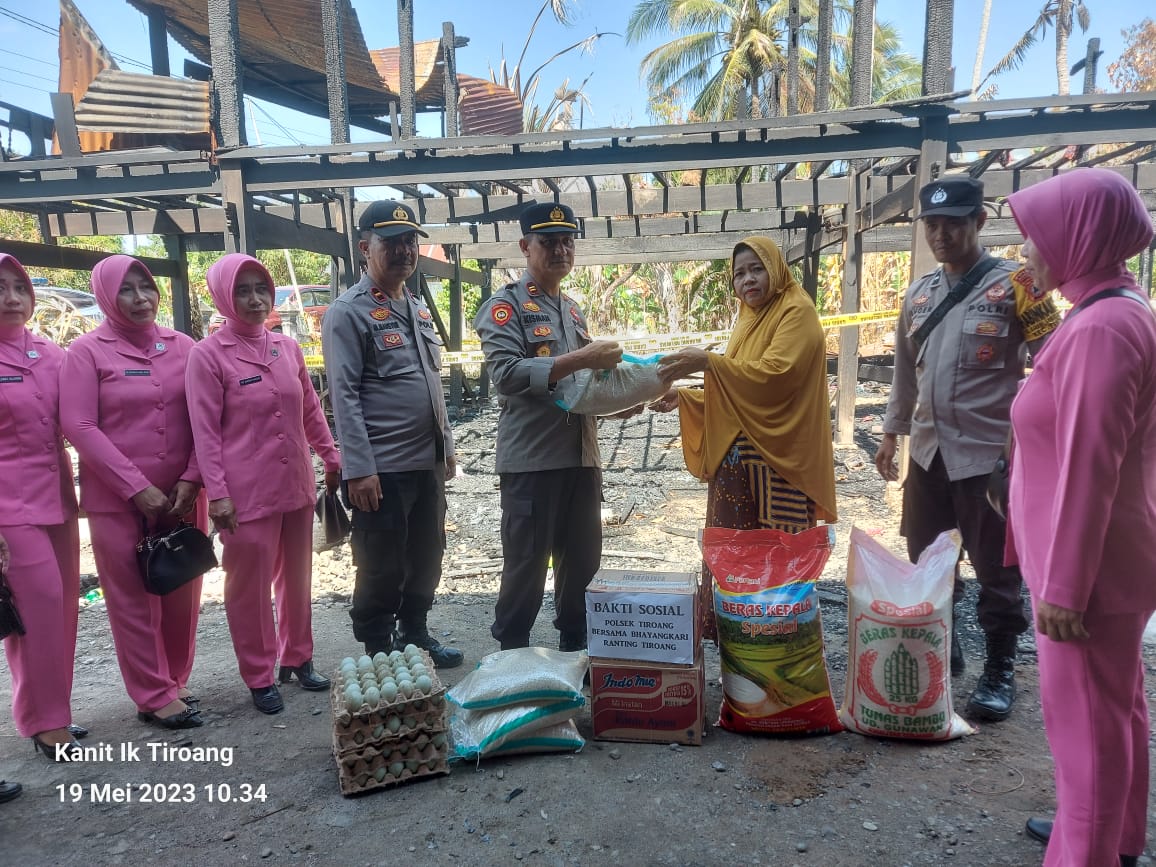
45,579
1096,717
272,553
155,636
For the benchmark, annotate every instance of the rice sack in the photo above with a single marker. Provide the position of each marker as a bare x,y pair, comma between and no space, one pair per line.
770,635
899,641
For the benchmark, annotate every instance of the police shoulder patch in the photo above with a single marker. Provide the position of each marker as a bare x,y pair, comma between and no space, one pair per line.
501,312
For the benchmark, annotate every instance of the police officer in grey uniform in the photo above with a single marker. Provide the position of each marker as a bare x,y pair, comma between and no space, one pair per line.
550,473
383,359
956,373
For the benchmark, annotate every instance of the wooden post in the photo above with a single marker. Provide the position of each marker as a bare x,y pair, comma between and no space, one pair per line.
238,230
64,115
456,328
862,51
937,41
1090,60
408,84
450,85
186,313
848,371
333,32
159,40
227,73
794,25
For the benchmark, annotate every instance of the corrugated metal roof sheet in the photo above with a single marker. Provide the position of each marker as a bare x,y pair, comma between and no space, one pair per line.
281,42
486,108
427,72
128,102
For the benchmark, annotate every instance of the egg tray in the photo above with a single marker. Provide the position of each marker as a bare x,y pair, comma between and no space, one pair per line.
436,695
346,741
357,773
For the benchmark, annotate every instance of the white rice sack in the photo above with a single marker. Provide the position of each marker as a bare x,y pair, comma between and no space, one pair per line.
899,642
480,733
604,392
557,738
523,676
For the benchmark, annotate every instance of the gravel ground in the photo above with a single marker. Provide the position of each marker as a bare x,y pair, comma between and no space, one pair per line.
836,800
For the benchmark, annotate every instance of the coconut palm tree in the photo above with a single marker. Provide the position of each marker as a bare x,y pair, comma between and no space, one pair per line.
1062,15
728,56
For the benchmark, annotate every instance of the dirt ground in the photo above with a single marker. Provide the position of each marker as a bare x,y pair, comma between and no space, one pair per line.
837,800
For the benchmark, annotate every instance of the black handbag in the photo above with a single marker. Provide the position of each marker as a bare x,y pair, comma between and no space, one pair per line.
333,522
172,559
10,622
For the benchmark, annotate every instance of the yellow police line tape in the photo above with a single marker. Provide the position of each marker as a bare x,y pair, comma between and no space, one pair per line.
651,343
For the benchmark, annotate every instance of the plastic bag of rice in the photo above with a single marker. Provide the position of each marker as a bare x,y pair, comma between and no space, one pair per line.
774,672
602,392
899,642
480,733
522,676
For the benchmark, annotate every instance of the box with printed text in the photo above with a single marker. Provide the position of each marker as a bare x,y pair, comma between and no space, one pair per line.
647,616
640,701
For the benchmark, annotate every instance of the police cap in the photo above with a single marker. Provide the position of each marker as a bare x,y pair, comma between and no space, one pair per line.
952,196
388,219
548,218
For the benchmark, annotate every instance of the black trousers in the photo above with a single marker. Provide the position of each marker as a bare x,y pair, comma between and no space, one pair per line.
397,551
932,503
549,513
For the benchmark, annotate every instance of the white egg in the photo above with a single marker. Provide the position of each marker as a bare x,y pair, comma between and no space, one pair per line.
389,690
372,697
406,688
423,683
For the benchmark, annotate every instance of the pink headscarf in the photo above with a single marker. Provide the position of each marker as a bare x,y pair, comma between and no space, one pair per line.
222,280
106,280
10,332
1085,223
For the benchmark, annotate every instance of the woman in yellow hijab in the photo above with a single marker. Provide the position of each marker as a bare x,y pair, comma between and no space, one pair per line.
759,431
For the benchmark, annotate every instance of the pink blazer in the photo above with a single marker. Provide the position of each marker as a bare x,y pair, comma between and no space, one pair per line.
124,410
35,470
253,420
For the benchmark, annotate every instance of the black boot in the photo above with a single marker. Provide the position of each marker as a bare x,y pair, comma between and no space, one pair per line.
416,632
569,642
996,691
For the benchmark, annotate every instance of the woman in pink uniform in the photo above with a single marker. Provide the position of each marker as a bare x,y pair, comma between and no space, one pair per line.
38,519
122,406
1082,509
255,415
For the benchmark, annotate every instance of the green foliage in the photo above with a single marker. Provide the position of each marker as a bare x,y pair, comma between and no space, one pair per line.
728,53
18,226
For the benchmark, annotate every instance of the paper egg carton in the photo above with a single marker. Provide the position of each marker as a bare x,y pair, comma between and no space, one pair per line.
357,737
374,768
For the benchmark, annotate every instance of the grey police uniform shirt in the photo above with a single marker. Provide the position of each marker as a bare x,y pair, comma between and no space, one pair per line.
384,371
522,329
954,394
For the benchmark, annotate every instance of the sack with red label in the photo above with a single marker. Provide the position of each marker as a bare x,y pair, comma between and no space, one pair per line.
770,636
899,642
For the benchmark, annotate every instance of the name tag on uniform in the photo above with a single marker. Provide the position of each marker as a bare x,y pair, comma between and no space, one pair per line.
11,378
138,373
250,380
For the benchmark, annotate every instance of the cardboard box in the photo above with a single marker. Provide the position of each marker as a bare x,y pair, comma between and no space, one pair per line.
638,701
646,616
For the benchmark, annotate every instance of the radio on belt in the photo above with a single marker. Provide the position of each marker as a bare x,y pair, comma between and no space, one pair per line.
650,616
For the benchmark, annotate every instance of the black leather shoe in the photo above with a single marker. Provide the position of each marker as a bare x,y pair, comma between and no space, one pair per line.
186,719
442,656
9,791
1039,829
1129,860
994,694
267,699
306,676
78,732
